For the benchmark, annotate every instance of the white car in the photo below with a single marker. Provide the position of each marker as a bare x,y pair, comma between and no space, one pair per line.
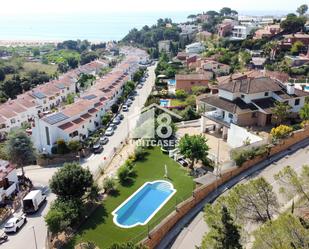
15,223
125,108
109,131
139,86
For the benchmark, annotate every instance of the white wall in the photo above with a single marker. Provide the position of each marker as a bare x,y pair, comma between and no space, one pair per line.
237,135
227,95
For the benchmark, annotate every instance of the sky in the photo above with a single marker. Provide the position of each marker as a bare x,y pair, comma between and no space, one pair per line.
30,7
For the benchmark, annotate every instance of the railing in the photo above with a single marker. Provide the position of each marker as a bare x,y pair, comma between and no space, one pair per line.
9,190
214,116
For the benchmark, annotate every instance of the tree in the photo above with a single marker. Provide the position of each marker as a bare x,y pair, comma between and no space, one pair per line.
301,10
71,181
292,23
223,235
114,108
181,94
281,111
192,17
2,75
297,47
193,147
63,214
293,184
87,57
20,149
106,118
304,112
72,62
225,11
285,232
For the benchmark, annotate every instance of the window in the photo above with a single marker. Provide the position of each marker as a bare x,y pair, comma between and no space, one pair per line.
254,115
266,94
242,96
13,121
297,102
47,135
230,115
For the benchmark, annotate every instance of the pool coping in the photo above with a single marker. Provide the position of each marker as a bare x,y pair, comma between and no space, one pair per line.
153,213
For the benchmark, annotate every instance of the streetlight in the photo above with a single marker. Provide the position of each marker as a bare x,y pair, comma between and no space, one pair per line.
36,244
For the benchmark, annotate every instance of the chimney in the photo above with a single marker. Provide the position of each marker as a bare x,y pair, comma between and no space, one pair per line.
290,88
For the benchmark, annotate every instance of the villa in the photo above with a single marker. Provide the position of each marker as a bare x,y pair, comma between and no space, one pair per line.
195,48
8,180
249,102
217,68
241,32
289,40
267,32
187,81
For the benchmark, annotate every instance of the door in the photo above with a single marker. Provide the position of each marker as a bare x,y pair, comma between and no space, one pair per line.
268,119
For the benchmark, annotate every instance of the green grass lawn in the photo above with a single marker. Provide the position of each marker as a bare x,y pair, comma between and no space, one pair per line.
177,102
48,68
100,228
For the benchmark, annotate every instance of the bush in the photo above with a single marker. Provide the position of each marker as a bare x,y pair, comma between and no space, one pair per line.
126,173
62,147
140,153
181,94
281,131
74,146
109,185
241,156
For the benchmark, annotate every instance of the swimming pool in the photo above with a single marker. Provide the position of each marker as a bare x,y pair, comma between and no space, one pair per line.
141,206
164,102
306,88
171,82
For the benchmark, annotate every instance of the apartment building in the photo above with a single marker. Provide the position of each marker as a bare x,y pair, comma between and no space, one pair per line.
241,32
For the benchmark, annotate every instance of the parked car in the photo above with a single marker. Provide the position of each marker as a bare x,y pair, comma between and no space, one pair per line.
33,201
109,131
120,116
15,223
131,97
139,86
3,237
129,102
97,148
116,121
113,126
125,108
104,140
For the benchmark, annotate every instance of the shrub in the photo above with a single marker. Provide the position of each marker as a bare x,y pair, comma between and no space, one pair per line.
140,153
126,173
74,145
181,94
109,185
241,156
62,147
281,131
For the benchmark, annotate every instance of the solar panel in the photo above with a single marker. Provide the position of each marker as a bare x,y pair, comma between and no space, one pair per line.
39,95
55,118
90,97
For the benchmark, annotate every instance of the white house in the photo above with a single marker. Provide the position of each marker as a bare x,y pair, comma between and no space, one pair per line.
8,179
241,32
195,48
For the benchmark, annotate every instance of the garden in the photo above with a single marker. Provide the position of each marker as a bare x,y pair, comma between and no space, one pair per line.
100,228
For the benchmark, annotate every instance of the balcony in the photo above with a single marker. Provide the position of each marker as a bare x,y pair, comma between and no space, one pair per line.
217,117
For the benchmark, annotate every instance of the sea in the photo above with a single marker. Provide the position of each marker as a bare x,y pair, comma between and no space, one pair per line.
93,27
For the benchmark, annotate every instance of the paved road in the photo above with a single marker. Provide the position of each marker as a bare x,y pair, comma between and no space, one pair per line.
190,231
24,239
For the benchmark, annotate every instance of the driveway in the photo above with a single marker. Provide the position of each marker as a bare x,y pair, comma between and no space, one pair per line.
192,234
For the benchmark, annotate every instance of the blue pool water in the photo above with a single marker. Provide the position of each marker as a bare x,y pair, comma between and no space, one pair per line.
306,88
171,82
164,102
143,204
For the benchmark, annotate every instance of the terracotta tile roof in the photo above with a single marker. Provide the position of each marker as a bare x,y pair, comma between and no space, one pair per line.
191,77
249,85
237,106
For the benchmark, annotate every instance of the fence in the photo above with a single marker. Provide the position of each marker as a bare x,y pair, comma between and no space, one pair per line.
190,123
159,232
